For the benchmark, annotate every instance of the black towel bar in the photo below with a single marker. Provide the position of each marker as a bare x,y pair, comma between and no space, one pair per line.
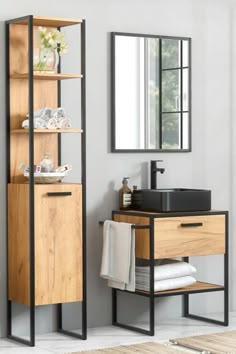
133,226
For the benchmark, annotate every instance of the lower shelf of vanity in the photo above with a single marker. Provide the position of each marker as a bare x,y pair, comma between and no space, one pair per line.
198,287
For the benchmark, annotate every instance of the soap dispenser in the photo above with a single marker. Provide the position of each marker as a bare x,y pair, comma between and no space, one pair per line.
125,195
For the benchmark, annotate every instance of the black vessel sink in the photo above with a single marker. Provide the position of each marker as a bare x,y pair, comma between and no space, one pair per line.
172,199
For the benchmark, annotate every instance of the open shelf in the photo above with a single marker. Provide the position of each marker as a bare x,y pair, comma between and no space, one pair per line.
198,287
46,131
47,76
50,22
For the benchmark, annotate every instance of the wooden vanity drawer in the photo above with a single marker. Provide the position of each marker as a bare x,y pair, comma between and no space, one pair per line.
189,236
180,236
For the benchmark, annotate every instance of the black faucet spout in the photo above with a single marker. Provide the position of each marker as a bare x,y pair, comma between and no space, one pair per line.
154,170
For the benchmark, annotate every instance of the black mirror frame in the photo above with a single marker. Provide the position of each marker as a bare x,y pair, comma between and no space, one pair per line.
113,101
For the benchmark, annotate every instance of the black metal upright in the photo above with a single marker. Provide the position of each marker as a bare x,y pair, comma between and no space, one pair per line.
29,19
151,279
151,295
83,151
83,335
31,181
9,315
226,272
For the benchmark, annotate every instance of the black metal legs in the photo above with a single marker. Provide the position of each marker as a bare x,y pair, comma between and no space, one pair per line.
31,341
151,295
114,306
60,329
149,332
152,315
151,278
225,322
207,319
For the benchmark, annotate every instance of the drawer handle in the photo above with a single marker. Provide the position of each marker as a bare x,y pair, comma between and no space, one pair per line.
192,224
59,194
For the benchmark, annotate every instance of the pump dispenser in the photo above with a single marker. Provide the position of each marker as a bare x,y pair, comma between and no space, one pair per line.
125,195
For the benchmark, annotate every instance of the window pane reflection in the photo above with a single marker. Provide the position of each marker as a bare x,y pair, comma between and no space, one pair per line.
185,131
171,91
185,45
171,131
185,89
170,53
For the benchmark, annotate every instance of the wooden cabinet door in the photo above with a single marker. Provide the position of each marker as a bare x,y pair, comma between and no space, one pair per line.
58,243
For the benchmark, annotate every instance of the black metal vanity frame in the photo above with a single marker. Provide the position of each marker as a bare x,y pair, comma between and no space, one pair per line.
151,295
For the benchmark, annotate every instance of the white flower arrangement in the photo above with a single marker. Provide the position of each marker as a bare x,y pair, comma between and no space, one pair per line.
51,44
53,40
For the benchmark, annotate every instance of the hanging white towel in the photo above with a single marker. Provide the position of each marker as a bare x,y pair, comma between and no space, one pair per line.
118,255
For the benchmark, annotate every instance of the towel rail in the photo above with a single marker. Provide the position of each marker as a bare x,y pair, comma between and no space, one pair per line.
133,226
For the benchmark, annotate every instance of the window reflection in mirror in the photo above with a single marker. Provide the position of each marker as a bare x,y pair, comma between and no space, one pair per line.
150,93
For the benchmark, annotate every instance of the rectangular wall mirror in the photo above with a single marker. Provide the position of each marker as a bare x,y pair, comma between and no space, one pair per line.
151,93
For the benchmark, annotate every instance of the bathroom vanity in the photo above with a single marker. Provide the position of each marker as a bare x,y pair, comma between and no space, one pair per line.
176,234
177,222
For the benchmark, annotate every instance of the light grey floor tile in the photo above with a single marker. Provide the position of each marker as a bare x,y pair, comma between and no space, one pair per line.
111,336
10,347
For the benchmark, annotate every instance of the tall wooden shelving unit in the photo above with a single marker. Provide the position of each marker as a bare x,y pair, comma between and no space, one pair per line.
46,222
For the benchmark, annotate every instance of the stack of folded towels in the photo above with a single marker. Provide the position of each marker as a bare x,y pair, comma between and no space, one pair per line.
168,274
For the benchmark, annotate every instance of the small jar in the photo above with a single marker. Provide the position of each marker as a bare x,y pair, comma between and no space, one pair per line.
46,164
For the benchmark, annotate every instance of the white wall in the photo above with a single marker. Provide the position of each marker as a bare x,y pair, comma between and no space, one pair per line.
209,23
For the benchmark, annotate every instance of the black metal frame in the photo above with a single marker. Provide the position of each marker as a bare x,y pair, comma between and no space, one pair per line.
31,341
113,101
185,293
83,158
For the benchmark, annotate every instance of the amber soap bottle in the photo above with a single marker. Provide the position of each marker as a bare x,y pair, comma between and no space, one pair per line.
125,195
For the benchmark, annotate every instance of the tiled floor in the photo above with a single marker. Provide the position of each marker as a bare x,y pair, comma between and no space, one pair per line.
112,336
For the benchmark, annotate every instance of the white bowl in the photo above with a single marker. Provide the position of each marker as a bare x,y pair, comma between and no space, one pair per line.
47,177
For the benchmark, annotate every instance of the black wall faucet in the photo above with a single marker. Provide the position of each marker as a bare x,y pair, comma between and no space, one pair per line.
154,170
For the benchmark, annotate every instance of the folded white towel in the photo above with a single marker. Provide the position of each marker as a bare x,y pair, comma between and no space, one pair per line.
170,269
44,113
118,255
166,284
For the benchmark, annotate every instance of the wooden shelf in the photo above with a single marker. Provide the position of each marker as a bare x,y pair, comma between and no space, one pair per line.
198,287
50,21
47,76
48,184
46,131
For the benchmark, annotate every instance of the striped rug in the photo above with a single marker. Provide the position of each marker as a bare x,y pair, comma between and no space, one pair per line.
217,343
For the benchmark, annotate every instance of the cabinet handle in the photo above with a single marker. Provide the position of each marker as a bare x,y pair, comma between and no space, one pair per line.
192,224
59,194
